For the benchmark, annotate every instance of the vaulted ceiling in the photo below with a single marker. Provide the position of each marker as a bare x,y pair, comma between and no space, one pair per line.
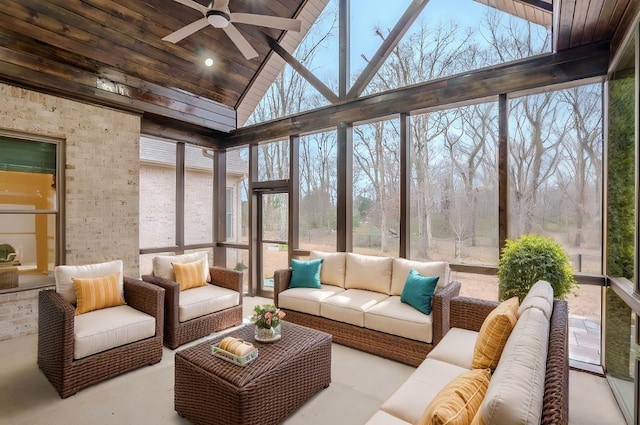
111,52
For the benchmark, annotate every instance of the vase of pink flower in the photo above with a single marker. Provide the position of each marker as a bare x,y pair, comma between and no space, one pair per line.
267,319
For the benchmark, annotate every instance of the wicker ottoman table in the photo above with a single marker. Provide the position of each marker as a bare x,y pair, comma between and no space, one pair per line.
286,374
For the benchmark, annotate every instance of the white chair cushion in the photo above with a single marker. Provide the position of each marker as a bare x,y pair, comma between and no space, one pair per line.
307,300
162,264
539,296
368,272
456,347
112,327
196,302
383,418
402,267
333,267
64,276
516,389
397,318
409,402
349,306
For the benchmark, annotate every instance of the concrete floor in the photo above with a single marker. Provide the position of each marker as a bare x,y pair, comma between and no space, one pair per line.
360,384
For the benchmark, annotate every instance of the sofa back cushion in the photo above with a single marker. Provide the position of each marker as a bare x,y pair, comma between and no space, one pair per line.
163,264
333,267
516,390
402,266
539,296
368,272
64,276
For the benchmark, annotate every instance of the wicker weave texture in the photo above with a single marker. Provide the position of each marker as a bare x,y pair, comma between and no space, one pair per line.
177,333
55,341
286,374
393,347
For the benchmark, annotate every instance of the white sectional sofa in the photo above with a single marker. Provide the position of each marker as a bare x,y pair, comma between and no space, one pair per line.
530,383
359,304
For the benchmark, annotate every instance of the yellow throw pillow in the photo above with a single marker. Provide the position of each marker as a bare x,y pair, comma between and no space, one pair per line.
458,402
189,275
494,333
98,292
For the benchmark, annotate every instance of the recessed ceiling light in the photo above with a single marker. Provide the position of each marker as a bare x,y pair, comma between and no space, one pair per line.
208,62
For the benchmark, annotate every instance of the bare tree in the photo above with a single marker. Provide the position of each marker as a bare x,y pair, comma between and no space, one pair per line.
583,149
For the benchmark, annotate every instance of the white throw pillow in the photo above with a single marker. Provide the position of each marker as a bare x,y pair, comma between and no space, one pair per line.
162,264
64,276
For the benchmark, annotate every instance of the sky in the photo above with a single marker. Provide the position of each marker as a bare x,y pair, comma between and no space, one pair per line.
369,14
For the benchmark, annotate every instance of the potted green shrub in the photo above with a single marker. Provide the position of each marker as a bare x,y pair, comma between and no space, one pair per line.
531,258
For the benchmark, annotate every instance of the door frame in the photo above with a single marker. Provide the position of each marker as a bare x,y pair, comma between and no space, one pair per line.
256,259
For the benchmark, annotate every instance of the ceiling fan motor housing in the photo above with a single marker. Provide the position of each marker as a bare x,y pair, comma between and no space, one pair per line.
218,18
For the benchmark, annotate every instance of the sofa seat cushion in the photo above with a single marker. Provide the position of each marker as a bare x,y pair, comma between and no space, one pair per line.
333,268
411,400
349,306
368,272
196,302
383,418
107,328
402,267
307,300
397,318
515,394
456,347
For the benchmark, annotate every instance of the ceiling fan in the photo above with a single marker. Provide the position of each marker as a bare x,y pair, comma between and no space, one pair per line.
218,16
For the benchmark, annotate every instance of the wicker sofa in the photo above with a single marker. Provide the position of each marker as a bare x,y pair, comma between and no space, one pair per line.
530,383
359,304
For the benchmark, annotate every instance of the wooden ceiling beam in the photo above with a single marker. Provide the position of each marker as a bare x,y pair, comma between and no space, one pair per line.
534,73
387,46
303,71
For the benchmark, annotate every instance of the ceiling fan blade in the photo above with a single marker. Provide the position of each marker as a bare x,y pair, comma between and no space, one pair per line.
192,4
184,32
266,21
220,5
240,42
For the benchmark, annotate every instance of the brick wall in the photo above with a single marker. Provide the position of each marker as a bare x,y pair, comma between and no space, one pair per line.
101,177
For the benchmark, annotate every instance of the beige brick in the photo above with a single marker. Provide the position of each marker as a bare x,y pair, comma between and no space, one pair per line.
102,183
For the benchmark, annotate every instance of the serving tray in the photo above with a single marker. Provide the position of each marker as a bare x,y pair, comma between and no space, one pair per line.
232,358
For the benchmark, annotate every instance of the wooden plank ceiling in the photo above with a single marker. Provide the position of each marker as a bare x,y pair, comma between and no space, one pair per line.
111,51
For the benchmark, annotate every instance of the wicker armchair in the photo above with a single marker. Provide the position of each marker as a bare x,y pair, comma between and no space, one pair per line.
177,333
56,318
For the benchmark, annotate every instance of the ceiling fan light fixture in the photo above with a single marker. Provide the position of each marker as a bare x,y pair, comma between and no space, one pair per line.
218,18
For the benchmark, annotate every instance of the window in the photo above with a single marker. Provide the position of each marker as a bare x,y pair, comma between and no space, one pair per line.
376,188
29,214
555,171
317,212
454,185
229,213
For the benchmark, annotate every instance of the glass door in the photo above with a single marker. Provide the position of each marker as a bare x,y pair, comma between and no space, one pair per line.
273,236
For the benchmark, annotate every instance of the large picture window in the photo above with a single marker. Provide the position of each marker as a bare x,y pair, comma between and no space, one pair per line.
29,211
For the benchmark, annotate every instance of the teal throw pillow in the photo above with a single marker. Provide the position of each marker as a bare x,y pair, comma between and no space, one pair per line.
305,274
418,291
